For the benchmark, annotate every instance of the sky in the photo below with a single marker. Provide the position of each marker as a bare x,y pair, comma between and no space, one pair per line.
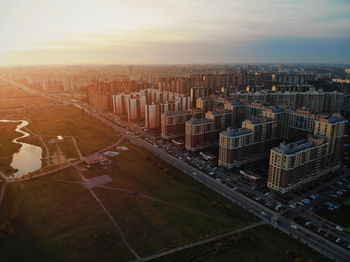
174,31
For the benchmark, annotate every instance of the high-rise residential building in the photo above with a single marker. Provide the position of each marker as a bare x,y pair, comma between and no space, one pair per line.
100,93
247,144
238,112
262,127
300,123
332,127
316,101
280,120
200,134
153,115
135,106
222,118
295,79
236,147
119,103
205,103
198,92
173,123
294,164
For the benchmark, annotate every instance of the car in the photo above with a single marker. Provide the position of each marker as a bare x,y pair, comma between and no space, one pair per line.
312,196
321,231
339,228
292,206
307,223
294,227
338,240
305,201
263,213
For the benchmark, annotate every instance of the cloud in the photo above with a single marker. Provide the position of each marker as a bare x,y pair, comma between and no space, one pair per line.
195,30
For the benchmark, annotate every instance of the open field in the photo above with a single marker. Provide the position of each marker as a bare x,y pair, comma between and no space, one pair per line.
90,133
7,148
56,215
13,97
58,220
152,225
260,244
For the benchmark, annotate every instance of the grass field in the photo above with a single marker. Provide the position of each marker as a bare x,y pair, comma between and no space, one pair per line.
56,221
63,220
90,133
260,244
13,97
154,226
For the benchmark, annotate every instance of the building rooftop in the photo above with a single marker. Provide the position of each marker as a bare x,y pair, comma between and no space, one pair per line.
332,118
219,112
231,132
274,109
173,113
196,121
292,148
256,120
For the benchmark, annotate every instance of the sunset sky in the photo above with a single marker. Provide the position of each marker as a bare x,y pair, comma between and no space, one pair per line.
173,31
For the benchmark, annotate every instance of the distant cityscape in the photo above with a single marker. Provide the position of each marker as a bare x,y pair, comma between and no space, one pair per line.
294,116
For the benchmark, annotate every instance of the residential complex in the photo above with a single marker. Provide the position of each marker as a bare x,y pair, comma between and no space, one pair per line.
297,163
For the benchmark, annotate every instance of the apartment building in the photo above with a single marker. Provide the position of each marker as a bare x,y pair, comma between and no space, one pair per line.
294,164
200,134
173,123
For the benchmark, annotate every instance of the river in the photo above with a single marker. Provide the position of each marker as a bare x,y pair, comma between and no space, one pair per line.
29,157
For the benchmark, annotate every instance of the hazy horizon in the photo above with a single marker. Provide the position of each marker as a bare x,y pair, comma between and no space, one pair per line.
42,32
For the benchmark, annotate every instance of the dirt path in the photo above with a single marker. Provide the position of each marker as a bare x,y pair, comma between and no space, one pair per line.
200,242
2,192
77,148
137,194
121,233
47,151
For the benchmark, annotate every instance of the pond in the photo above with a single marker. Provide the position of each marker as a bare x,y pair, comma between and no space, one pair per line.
29,157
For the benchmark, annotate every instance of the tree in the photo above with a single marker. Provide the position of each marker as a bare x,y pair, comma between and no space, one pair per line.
218,246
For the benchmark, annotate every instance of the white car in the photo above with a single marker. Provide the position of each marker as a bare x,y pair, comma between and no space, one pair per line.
263,213
294,227
339,228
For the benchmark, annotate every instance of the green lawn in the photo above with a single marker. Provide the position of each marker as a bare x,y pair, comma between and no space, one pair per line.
57,221
62,221
154,226
259,244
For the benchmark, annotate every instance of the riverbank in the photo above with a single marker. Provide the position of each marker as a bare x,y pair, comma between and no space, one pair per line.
7,147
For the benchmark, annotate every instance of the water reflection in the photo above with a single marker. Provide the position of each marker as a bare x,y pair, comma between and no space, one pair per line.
28,158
